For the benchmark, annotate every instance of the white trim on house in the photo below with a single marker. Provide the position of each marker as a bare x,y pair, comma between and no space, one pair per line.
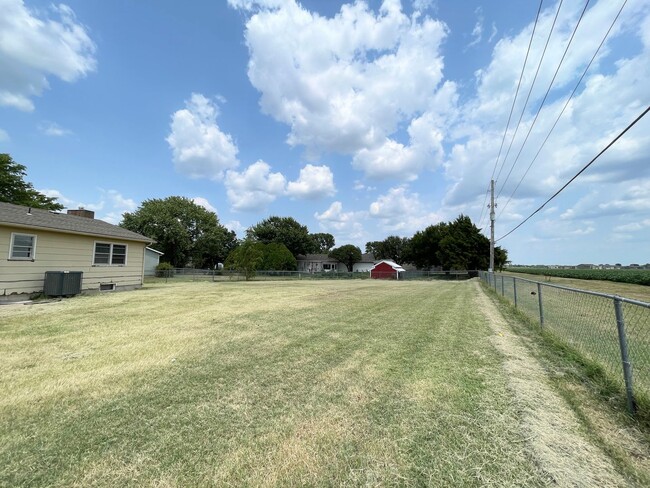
390,263
150,261
32,248
111,254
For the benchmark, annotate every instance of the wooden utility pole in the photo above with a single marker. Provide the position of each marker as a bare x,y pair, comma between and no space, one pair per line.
491,226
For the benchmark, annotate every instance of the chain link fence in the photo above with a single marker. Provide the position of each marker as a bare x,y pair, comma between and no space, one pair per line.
609,330
192,274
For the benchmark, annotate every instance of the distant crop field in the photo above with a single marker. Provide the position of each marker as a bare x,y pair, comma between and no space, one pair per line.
631,276
339,383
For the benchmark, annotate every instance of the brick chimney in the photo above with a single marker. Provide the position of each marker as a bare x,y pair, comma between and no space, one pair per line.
82,212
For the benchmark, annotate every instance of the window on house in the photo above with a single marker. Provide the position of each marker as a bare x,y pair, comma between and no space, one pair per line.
119,254
22,246
329,267
109,253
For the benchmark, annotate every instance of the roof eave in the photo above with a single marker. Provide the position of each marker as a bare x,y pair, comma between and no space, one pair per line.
80,233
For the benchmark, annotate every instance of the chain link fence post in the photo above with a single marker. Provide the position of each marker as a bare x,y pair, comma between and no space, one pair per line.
514,289
503,288
627,365
541,306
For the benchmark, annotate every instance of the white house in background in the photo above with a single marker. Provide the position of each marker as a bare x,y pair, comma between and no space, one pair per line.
366,263
34,241
151,260
317,263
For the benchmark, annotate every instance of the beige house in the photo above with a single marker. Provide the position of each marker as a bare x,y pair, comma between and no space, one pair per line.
34,241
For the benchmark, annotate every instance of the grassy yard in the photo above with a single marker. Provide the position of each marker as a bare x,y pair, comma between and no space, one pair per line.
263,383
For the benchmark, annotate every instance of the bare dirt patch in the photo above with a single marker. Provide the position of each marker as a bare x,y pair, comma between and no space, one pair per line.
552,429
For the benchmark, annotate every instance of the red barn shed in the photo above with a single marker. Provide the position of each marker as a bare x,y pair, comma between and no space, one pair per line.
386,270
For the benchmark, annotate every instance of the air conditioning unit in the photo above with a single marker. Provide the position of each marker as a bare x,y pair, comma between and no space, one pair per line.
62,283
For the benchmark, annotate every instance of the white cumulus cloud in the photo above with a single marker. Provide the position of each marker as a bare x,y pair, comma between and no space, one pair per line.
109,206
346,84
312,183
35,46
203,202
347,227
254,188
401,211
200,149
235,225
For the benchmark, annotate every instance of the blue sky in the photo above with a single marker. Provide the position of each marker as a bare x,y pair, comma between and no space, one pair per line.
363,119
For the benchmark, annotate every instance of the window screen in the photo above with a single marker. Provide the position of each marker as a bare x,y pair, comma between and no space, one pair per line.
23,246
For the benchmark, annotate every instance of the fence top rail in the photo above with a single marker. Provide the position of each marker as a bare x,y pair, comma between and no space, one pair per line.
587,292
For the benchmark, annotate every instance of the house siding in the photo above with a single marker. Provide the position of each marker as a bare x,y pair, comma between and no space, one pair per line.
66,252
151,260
362,267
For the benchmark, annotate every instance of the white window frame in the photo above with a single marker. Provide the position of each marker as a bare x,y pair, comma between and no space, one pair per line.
110,253
11,247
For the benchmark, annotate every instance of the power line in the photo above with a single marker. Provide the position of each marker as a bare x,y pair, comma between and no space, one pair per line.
579,172
548,90
523,110
566,104
505,131
521,76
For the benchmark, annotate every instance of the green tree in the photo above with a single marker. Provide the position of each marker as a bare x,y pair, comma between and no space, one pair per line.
213,246
277,257
322,242
347,255
500,257
184,231
453,245
247,258
14,189
424,246
375,248
393,247
283,230
463,246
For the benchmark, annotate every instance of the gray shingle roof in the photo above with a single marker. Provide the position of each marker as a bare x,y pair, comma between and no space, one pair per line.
315,257
44,219
365,258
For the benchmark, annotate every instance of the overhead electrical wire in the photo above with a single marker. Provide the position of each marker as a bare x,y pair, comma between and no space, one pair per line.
541,105
566,104
584,168
530,90
505,131
514,100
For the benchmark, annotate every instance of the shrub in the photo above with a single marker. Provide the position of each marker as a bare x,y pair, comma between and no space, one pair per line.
164,270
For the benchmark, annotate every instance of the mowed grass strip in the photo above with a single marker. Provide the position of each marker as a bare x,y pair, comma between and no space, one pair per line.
289,383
